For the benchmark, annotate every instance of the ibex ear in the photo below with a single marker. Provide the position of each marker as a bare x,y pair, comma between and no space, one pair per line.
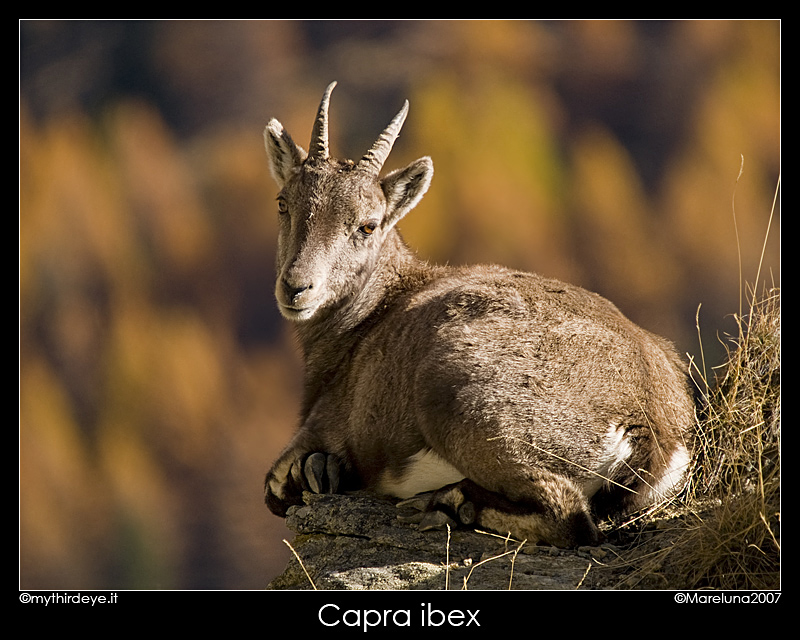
284,155
404,188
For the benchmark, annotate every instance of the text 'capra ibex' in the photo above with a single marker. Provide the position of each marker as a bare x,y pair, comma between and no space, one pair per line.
488,396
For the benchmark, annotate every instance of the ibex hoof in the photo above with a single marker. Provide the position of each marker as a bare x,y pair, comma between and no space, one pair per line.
321,472
435,521
435,511
317,472
419,503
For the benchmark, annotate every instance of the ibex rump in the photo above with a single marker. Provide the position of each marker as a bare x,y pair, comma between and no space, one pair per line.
525,405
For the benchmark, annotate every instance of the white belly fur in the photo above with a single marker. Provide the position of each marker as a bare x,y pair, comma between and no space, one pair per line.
425,471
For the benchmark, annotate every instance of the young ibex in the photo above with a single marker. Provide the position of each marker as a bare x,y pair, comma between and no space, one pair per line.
487,396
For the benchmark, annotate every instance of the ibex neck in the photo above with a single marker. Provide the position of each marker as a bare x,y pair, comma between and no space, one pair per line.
330,338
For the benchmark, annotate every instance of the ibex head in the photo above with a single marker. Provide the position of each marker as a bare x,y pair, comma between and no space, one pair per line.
335,215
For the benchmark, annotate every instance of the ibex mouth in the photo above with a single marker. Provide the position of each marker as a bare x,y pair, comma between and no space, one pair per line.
296,313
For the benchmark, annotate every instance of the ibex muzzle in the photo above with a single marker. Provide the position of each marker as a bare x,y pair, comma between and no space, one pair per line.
483,395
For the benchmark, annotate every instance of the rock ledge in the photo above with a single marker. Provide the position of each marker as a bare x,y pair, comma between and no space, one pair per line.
355,542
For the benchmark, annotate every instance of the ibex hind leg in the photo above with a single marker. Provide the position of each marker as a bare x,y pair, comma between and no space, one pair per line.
292,474
554,511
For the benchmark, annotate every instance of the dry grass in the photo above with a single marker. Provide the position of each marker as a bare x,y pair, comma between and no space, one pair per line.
737,468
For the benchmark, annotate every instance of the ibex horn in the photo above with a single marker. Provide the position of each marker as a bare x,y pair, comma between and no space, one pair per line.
319,134
374,158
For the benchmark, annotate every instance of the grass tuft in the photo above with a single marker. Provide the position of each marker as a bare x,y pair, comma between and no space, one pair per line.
736,476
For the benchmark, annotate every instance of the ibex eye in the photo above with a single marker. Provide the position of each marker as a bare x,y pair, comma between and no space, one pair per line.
368,228
282,206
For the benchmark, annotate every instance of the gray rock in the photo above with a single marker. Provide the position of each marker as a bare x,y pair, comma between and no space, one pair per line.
355,542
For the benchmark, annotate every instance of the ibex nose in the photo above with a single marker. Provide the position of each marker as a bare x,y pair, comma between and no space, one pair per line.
293,292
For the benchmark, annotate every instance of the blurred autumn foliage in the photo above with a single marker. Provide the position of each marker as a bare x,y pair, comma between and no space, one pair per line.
157,382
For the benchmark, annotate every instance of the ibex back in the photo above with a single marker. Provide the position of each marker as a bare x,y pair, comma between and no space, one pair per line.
488,396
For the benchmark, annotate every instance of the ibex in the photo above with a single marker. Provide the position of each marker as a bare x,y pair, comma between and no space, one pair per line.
484,396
